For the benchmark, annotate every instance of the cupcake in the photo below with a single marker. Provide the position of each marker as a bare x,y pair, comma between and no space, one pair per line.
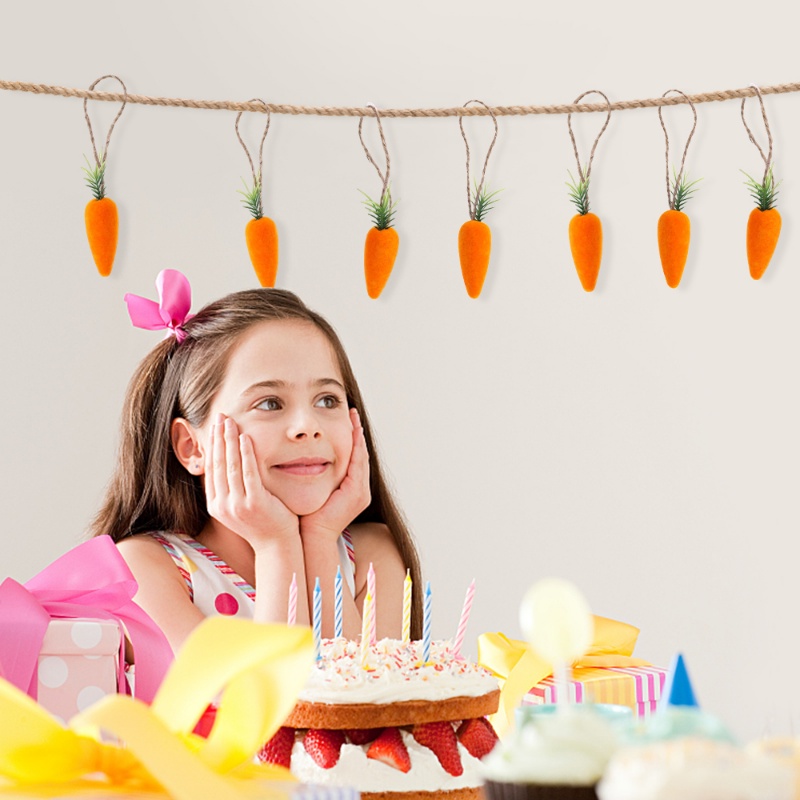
683,753
692,768
784,750
557,756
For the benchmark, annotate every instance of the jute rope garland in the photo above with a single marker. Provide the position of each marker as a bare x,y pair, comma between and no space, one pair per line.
768,157
257,176
672,195
458,111
472,203
384,177
103,155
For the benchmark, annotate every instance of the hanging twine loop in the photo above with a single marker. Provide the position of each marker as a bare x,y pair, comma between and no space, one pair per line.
672,194
384,177
257,176
101,157
584,177
768,157
472,204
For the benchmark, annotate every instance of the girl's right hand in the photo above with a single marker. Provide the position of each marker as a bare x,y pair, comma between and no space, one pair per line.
235,495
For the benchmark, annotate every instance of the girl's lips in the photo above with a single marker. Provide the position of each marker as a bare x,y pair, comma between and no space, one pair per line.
304,466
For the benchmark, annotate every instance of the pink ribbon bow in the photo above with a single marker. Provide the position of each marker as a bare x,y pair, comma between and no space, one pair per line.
172,309
91,580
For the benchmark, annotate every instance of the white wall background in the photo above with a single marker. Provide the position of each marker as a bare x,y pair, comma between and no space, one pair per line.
640,441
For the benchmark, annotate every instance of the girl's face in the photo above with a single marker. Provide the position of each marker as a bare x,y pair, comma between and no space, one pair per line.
283,388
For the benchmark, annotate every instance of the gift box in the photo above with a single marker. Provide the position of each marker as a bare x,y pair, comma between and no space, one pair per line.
78,664
637,687
80,602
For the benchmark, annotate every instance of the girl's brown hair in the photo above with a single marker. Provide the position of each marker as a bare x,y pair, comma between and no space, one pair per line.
150,490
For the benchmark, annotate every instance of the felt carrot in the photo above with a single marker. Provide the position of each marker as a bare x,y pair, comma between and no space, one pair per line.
261,236
585,228
674,231
475,242
101,219
585,235
381,245
763,225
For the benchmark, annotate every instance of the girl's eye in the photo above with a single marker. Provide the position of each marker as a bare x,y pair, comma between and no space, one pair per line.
329,401
270,404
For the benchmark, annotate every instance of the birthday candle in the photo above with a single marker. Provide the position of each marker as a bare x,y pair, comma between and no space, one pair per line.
337,604
292,619
371,590
407,608
317,620
426,624
462,625
366,624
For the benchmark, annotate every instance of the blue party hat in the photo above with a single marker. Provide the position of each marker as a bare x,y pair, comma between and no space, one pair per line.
678,688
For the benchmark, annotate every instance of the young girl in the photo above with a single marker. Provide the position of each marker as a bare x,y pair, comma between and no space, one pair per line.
246,457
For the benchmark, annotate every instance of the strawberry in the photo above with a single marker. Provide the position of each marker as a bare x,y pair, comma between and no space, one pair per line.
363,735
206,722
441,738
278,750
477,735
390,749
324,746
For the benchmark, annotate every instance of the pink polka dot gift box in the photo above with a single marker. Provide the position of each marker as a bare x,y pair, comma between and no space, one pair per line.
62,632
78,664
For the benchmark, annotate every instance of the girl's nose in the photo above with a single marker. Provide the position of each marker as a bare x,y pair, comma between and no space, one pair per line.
303,426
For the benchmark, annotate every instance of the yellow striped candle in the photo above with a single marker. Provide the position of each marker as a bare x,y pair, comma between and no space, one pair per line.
366,626
407,608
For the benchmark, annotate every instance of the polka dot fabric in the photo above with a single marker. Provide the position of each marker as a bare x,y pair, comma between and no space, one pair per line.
78,664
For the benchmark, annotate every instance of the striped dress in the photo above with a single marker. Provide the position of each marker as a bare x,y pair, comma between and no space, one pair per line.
215,588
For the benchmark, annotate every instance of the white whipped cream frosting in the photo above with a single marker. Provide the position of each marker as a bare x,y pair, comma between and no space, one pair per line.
355,770
572,747
694,769
394,672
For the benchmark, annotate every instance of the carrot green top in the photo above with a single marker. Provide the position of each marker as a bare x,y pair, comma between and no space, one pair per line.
483,202
579,193
252,198
682,190
765,192
95,177
381,213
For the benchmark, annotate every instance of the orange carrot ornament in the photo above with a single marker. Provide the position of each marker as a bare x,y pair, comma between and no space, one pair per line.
764,223
261,233
382,242
475,236
100,215
585,228
674,227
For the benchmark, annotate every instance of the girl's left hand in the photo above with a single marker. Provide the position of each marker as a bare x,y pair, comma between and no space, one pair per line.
352,496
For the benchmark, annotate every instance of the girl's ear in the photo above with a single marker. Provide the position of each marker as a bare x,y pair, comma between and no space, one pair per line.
186,445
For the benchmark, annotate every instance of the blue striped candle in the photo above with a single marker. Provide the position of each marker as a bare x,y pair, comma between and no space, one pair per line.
337,607
426,624
317,620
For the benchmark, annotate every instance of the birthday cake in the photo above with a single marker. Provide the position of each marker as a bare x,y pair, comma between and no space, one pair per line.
390,724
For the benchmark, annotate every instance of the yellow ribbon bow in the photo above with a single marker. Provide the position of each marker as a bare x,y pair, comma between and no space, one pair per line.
519,668
260,670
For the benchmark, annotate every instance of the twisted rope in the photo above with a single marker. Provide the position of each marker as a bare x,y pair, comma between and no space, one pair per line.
457,111
672,196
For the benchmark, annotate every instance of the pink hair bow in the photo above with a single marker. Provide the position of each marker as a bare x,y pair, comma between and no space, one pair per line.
172,309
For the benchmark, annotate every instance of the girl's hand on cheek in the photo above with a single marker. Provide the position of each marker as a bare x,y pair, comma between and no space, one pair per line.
352,496
235,495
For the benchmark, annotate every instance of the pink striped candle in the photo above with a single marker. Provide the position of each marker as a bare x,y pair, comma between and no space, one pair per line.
426,624
373,637
462,624
292,617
